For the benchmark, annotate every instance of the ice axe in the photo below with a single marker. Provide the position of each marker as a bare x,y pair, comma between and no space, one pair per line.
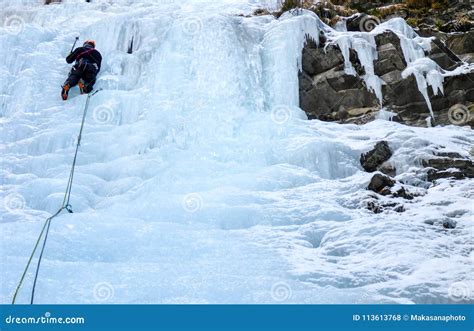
73,45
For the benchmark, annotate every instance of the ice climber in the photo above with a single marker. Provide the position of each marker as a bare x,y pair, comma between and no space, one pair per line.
85,70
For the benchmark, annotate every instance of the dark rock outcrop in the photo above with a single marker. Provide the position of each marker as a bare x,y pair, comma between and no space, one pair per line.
443,164
446,223
446,167
449,224
388,169
376,207
403,193
328,93
316,61
462,44
373,159
380,184
383,185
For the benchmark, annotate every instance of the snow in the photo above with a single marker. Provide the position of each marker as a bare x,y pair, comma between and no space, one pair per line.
199,180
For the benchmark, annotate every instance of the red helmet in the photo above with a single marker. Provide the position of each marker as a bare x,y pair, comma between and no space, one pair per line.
89,42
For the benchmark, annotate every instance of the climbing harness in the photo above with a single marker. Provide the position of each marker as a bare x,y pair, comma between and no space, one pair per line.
65,206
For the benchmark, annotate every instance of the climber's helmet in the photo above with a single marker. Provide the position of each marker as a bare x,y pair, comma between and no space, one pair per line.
89,43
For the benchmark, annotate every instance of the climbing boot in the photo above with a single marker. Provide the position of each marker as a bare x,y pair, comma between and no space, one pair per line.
82,87
65,91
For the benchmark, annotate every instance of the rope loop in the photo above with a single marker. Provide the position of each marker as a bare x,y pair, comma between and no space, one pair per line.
68,207
65,206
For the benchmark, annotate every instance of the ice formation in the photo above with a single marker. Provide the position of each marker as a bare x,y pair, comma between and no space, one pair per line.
414,47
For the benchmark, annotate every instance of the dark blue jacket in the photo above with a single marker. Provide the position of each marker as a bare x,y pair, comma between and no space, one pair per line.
86,53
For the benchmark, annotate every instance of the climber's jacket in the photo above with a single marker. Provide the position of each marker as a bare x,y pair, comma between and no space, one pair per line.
85,55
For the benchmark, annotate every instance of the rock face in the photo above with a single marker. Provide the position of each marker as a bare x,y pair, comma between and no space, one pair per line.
462,44
328,93
448,167
381,183
372,160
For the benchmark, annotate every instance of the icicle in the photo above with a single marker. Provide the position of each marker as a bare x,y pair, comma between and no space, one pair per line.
365,47
426,72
